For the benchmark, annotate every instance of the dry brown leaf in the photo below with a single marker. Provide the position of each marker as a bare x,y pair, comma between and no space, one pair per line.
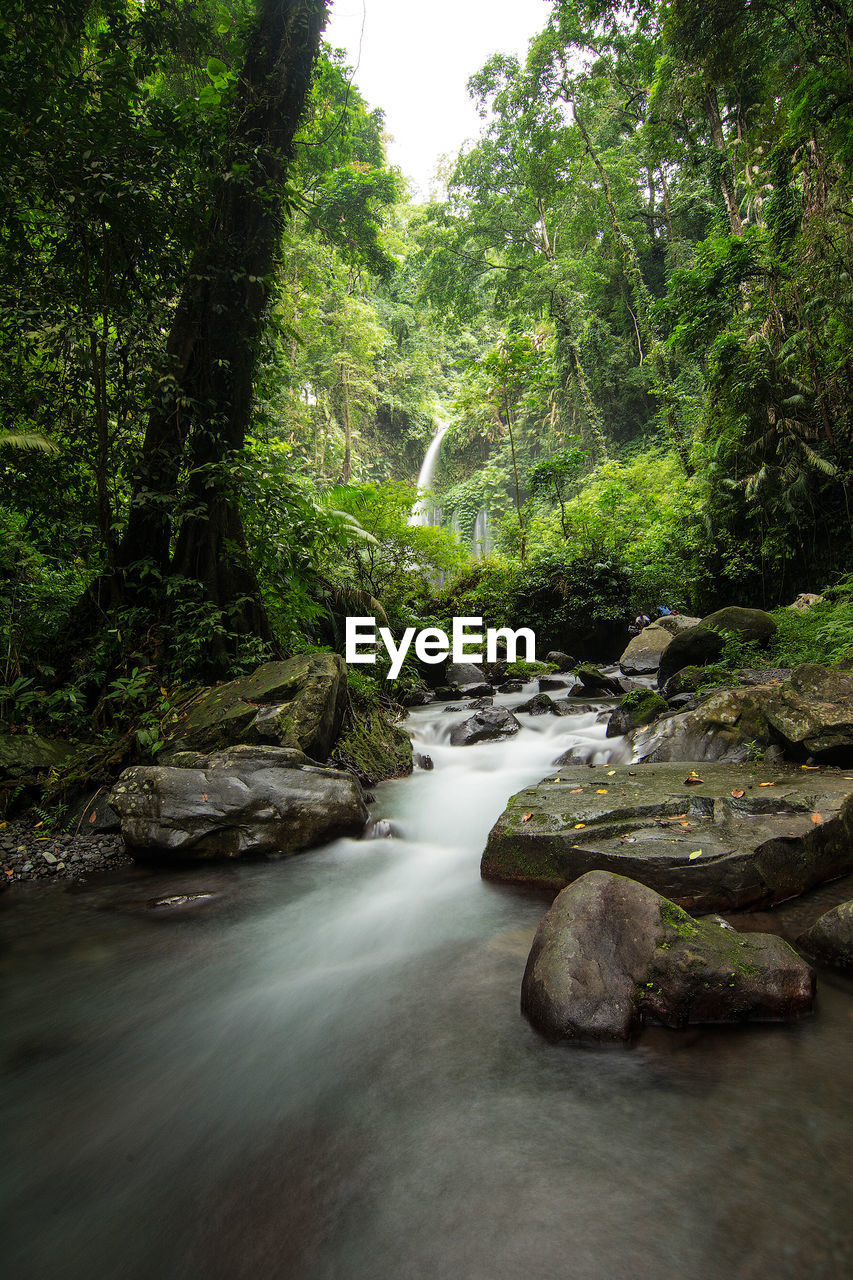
575,791
526,817
738,795
692,779
817,819
204,795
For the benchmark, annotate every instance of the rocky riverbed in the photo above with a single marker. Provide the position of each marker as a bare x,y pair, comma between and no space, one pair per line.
27,853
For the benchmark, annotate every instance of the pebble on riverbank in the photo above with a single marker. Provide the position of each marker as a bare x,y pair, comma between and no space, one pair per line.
27,853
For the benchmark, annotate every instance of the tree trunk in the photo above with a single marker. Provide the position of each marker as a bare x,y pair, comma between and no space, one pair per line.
205,403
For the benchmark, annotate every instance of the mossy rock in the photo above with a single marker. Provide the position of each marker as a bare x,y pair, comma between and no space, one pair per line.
374,748
636,709
749,624
296,703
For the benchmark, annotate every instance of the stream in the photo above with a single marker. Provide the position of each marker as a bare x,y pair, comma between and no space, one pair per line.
317,1070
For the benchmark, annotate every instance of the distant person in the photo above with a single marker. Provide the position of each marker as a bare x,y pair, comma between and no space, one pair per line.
662,611
641,620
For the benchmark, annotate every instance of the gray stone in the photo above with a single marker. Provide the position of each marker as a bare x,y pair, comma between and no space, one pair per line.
478,690
695,647
697,840
594,681
611,954
493,724
241,802
554,684
539,705
810,715
463,673
830,939
562,661
643,654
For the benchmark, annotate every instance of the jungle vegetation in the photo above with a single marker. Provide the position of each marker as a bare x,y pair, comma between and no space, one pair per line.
228,332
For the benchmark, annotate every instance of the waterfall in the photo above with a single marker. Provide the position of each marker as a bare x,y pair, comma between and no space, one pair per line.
482,535
422,511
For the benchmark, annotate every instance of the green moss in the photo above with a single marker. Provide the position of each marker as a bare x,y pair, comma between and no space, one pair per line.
675,918
527,670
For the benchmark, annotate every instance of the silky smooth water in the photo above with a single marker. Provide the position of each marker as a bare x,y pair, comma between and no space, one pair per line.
320,1072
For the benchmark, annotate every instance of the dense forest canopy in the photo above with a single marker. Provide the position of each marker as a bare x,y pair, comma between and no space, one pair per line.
229,335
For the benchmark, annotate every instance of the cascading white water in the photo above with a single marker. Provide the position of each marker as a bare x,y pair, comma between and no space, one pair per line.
422,511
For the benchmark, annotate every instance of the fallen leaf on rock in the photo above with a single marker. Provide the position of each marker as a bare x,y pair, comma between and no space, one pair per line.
579,825
526,817
809,766
602,791
611,773
738,795
204,795
817,819
692,778
688,825
697,853
575,790
92,816
767,784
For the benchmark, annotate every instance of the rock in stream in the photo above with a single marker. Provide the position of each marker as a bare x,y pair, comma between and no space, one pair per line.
739,835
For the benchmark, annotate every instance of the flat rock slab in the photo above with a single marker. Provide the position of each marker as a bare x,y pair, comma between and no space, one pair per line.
612,954
701,844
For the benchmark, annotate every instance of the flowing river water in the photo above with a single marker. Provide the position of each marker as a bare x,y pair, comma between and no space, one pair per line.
319,1071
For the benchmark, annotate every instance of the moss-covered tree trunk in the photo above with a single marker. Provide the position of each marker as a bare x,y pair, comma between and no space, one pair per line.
204,405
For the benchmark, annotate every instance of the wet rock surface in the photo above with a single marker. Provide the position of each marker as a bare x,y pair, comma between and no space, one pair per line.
241,802
489,725
597,682
808,715
830,938
695,647
611,954
736,836
635,710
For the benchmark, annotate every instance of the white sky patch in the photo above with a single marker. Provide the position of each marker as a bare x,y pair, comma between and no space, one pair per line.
415,60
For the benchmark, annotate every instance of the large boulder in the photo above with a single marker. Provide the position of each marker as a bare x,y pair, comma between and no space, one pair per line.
612,954
492,724
242,802
645,650
808,715
562,661
830,939
28,753
749,624
296,703
462,674
735,837
695,647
